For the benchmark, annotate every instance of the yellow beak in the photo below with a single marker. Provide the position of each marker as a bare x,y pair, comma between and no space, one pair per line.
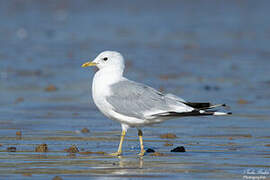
89,64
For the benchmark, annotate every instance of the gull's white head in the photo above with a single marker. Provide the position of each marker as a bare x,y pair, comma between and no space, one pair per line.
107,59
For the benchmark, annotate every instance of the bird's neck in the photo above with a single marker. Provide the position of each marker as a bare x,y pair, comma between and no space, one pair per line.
109,75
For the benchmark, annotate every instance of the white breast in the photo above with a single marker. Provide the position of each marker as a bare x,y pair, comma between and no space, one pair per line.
101,88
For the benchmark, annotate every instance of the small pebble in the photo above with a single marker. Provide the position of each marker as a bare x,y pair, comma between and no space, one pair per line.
27,174
267,145
50,88
168,144
85,130
242,101
42,148
18,133
57,178
157,154
19,99
168,136
72,149
209,88
179,149
90,152
149,150
11,149
99,152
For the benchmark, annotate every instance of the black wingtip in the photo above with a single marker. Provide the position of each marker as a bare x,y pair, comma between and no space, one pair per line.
229,113
224,105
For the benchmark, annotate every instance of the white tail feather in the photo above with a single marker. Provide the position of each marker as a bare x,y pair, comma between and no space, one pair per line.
220,113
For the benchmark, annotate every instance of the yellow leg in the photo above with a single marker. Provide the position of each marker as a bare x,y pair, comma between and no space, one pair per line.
140,134
119,152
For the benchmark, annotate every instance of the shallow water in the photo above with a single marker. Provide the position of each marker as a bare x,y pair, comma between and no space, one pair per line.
216,52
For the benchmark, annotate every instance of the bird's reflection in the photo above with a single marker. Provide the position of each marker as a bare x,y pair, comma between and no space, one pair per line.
129,165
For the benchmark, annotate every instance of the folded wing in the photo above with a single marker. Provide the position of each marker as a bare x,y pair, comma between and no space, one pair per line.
140,101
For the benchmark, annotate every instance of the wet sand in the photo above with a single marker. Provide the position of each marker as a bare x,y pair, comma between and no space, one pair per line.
216,52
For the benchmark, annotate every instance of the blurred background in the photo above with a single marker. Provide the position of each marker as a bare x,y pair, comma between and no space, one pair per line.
214,51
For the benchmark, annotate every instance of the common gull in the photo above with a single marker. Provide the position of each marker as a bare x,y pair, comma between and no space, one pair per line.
134,104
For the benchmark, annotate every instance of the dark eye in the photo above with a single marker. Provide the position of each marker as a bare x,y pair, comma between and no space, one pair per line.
105,59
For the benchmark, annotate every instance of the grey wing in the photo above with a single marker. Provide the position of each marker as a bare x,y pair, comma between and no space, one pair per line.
172,96
137,100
